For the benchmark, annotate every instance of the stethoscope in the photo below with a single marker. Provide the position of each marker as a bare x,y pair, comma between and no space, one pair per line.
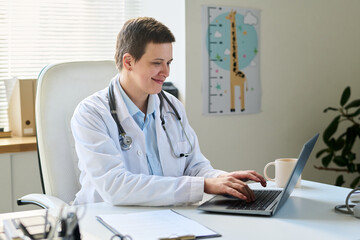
126,141
350,208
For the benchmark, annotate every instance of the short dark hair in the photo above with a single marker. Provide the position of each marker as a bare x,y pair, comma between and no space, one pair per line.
136,34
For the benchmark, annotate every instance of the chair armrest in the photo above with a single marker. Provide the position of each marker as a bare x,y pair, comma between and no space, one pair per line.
42,200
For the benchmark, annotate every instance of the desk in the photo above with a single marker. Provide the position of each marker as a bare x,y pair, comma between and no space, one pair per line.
308,214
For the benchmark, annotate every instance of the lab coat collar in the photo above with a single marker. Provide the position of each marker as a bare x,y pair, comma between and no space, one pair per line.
122,110
133,109
151,104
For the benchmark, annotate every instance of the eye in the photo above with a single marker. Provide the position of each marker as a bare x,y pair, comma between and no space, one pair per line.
156,63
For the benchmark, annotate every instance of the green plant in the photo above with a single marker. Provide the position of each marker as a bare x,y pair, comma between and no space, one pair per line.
339,149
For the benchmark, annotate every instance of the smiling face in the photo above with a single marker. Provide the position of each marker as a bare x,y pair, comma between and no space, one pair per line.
147,75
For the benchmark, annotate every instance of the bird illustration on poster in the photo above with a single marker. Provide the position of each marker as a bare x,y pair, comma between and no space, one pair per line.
231,83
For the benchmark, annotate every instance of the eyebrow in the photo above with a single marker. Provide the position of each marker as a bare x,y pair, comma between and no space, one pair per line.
161,59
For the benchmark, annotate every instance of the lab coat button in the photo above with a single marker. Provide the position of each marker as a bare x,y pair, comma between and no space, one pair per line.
139,153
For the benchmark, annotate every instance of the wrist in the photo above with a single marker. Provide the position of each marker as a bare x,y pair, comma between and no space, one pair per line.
207,185
222,174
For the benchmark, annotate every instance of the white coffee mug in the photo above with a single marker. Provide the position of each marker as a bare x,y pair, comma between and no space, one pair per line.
283,169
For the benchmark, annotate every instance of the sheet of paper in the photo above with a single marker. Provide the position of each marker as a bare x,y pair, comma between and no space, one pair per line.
155,224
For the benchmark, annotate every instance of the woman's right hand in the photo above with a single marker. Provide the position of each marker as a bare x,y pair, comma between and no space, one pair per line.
229,185
232,184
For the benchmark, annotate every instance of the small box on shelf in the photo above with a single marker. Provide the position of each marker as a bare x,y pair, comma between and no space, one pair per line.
5,134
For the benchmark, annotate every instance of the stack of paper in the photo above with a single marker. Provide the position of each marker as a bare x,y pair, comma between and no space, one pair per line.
155,225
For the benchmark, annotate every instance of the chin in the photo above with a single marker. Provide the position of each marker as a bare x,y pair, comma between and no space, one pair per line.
155,90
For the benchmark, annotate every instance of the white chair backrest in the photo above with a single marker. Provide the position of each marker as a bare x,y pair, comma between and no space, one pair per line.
60,88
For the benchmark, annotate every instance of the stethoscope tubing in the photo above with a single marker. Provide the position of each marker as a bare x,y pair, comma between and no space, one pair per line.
113,110
347,208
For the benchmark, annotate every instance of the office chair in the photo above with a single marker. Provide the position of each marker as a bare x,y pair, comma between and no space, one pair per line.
60,87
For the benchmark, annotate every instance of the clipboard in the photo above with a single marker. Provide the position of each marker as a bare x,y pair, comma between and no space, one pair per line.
154,225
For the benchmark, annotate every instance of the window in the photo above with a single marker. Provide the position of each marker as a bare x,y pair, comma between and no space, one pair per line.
34,33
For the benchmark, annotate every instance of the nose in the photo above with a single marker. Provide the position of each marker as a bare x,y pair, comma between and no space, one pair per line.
165,70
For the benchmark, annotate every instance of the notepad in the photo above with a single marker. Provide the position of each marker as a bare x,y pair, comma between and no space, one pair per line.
153,225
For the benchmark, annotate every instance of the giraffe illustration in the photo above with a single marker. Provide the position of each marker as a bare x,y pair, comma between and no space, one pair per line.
237,77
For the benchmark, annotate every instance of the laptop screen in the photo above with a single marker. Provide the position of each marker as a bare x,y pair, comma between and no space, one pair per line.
302,159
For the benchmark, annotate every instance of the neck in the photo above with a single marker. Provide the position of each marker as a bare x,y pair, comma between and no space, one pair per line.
138,98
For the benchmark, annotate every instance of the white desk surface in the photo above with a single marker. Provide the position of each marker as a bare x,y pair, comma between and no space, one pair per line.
308,214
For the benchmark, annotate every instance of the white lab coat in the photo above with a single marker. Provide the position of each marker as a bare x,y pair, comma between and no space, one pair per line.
122,177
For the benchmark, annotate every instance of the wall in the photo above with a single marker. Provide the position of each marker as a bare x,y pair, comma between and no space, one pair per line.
309,52
172,14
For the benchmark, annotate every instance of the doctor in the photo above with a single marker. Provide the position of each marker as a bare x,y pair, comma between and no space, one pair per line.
147,163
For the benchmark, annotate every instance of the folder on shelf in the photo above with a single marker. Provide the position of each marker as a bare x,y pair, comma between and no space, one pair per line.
22,108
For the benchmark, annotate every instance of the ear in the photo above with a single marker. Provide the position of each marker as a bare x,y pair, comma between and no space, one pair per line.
128,61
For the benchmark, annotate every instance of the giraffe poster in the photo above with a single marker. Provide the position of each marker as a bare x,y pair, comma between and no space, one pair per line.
231,67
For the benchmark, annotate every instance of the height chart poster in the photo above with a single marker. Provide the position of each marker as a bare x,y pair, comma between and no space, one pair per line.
231,62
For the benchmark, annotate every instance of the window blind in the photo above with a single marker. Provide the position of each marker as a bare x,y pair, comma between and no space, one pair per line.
34,33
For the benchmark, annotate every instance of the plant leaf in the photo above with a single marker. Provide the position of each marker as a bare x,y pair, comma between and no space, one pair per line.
351,156
339,180
351,135
355,182
347,148
321,152
350,138
340,161
330,108
357,112
326,160
339,144
331,144
355,103
331,129
351,167
345,96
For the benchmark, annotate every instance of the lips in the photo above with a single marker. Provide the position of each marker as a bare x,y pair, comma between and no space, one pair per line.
159,81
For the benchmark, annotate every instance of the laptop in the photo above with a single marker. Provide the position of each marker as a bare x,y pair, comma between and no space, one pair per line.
268,201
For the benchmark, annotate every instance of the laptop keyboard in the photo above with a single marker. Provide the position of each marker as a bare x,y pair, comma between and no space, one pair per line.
263,198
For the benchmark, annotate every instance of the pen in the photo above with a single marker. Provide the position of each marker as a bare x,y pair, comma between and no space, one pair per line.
63,224
185,237
46,222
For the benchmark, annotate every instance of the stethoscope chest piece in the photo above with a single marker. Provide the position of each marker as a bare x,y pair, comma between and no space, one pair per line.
125,142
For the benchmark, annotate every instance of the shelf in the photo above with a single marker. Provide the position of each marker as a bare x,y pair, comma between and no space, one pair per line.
17,144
